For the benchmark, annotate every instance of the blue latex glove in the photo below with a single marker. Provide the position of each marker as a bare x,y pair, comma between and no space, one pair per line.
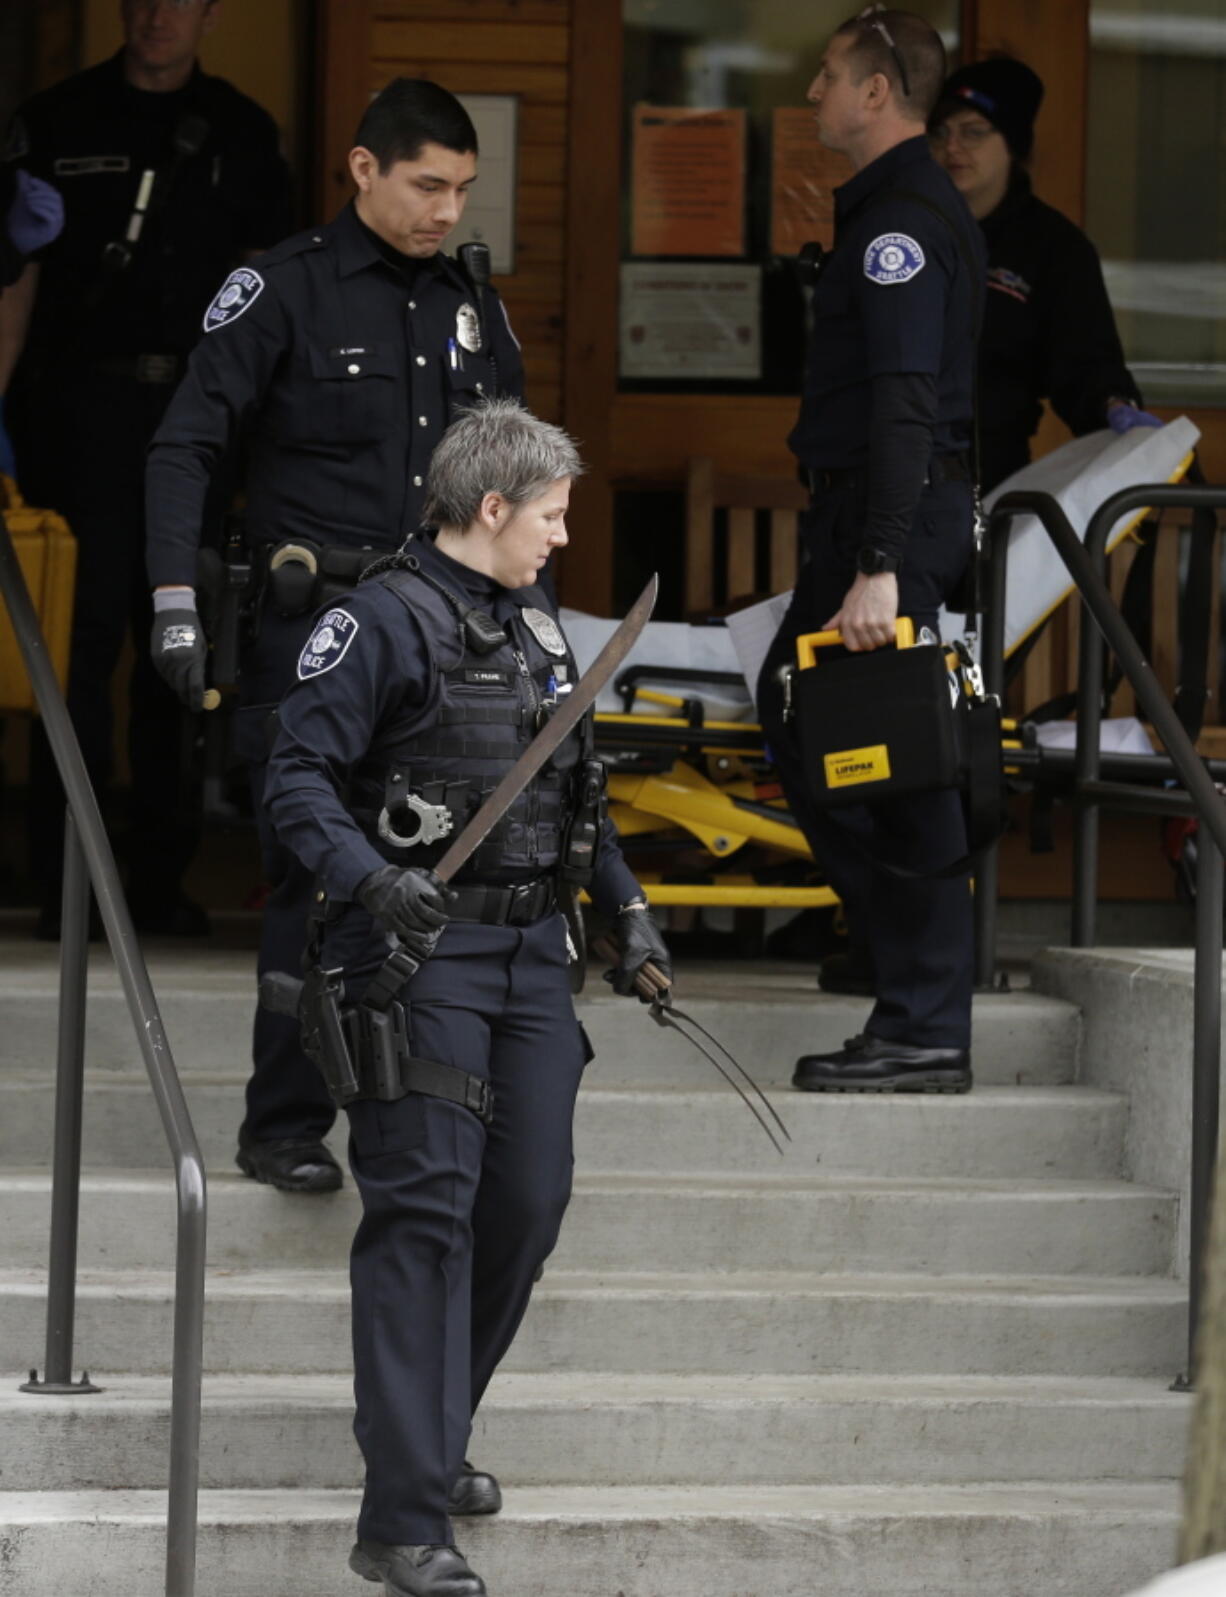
1122,418
36,215
8,462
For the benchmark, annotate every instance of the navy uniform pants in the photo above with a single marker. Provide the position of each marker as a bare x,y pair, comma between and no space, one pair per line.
457,1216
286,1097
919,933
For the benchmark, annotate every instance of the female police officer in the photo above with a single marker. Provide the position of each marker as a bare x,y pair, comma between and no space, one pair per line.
413,698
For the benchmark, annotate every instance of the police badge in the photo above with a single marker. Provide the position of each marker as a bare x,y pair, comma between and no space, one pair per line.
468,328
546,631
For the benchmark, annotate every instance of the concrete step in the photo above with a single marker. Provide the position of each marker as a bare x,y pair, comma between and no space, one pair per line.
779,1323
767,1017
1074,1540
261,1432
629,1222
992,1133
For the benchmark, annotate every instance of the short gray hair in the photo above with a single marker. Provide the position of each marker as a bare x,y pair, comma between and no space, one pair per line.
498,447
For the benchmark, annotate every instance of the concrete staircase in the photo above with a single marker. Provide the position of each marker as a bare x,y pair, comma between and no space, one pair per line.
925,1355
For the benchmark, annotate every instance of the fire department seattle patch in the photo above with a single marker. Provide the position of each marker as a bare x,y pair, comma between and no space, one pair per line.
327,644
893,258
237,294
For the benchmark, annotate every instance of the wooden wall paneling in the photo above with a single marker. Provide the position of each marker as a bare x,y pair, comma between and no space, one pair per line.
1164,649
505,47
1053,37
593,211
343,90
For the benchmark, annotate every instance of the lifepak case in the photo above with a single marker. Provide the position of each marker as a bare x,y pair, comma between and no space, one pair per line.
887,723
47,554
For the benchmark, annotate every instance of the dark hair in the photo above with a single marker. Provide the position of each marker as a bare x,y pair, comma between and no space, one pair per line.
410,113
918,46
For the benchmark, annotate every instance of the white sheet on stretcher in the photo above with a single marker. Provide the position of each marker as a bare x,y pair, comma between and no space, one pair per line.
665,643
1081,475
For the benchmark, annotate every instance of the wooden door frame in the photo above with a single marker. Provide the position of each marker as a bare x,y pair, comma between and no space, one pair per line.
344,44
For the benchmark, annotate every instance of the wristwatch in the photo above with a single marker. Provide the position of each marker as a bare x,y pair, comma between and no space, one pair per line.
873,562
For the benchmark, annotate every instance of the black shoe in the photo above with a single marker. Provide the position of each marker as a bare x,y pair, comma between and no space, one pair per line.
179,916
872,1064
292,1164
430,1571
850,972
475,1492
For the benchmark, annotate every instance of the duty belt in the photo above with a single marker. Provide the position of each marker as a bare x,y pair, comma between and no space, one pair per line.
516,905
941,468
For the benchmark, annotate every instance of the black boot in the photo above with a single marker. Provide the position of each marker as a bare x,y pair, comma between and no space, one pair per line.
873,1064
429,1571
291,1164
475,1492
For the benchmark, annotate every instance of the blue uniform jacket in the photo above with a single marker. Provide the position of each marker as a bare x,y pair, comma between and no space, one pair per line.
894,298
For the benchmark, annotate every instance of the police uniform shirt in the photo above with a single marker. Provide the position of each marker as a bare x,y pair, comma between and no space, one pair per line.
94,137
894,298
378,669
341,371
1048,331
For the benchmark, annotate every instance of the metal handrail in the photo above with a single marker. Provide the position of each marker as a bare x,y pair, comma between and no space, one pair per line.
88,857
1087,567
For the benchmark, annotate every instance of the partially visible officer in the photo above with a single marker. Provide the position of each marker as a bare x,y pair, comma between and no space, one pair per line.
1048,328
33,215
883,435
414,698
169,178
338,364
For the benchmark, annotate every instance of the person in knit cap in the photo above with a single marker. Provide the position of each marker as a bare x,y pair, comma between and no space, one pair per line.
1048,331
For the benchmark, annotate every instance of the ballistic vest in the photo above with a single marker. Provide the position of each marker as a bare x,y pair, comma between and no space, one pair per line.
487,706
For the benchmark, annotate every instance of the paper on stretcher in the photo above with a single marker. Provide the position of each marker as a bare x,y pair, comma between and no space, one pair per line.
1080,476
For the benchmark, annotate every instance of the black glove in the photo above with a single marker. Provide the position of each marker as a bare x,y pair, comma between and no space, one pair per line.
178,650
410,903
639,939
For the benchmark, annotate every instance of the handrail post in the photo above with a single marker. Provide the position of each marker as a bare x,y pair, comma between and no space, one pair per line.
1206,1071
992,664
1087,767
163,1078
66,1155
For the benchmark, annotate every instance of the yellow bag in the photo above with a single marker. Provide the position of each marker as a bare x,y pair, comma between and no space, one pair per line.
47,554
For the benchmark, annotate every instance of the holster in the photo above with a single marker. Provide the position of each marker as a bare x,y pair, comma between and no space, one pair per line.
581,840
301,575
365,1052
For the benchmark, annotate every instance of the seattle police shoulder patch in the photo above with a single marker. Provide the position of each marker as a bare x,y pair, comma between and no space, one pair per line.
327,644
238,293
893,258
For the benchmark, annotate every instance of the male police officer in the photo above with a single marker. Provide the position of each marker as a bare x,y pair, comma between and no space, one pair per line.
169,178
338,363
883,434
415,695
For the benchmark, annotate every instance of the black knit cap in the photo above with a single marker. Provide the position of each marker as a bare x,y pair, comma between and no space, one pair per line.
1003,90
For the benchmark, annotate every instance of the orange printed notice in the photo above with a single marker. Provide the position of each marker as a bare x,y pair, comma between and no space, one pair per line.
804,176
689,182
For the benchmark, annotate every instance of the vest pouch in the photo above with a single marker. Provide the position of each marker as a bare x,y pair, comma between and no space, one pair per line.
582,828
877,725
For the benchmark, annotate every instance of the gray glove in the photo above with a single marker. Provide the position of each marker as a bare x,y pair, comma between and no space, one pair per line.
412,904
639,940
178,651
